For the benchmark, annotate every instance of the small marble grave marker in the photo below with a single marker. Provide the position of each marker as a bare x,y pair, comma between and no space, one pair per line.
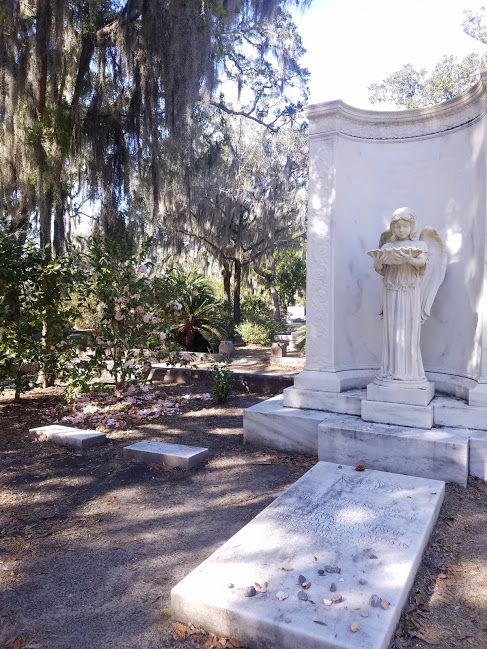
332,516
175,455
279,349
67,436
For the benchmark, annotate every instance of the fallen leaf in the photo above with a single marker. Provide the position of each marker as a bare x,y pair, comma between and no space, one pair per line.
287,569
360,467
354,627
17,644
319,622
373,556
115,547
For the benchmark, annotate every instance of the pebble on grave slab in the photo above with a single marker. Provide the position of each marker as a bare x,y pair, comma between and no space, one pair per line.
173,455
68,436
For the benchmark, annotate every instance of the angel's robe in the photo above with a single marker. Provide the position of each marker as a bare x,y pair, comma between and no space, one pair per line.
401,353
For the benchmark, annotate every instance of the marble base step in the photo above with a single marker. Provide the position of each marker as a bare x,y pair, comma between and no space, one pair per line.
67,436
399,414
371,526
270,424
436,453
347,403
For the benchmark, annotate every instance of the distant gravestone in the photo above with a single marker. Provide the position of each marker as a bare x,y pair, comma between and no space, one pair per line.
270,585
67,436
278,350
174,455
227,348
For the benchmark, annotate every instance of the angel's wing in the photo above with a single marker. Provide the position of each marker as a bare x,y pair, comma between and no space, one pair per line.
385,237
435,269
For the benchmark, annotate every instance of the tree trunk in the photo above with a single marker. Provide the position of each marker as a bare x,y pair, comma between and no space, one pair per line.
227,276
275,298
236,292
272,289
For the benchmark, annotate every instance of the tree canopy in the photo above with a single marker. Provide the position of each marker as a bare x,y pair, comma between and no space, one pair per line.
101,100
411,88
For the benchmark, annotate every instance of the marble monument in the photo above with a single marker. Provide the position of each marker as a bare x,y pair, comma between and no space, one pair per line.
381,364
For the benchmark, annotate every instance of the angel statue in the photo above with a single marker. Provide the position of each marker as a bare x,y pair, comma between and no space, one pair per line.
412,270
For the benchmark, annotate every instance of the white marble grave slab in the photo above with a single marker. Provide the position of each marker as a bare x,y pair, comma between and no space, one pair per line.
372,525
67,436
175,455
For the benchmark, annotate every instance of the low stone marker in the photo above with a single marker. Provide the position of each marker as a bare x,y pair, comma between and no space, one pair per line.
278,349
226,348
175,455
67,436
327,565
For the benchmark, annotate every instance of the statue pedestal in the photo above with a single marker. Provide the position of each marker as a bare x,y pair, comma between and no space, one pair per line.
397,414
401,392
404,403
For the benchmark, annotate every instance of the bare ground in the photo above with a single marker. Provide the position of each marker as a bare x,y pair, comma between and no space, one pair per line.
91,544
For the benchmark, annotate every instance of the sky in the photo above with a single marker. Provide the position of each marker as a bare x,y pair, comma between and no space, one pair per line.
353,43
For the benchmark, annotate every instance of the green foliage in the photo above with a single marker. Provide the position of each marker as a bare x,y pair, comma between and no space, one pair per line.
290,274
35,315
259,324
255,309
255,332
203,319
222,377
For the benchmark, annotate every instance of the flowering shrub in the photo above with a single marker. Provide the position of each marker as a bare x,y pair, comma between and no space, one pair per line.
133,324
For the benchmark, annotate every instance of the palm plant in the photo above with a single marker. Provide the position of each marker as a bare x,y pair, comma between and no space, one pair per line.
202,322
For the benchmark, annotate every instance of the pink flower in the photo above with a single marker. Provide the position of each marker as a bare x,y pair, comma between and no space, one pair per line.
147,282
140,309
118,316
129,363
146,318
135,296
53,348
141,269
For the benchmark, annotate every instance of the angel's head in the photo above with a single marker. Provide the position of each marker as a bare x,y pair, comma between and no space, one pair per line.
403,225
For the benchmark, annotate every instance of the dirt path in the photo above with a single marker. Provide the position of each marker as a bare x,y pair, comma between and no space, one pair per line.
91,544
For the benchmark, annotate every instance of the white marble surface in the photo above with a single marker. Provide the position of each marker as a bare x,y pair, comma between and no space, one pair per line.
478,395
478,454
454,412
175,455
373,526
67,436
333,381
397,414
345,402
438,453
270,425
399,394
